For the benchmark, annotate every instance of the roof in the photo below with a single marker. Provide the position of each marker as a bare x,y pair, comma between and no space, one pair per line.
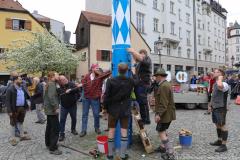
96,18
11,5
236,25
40,17
100,19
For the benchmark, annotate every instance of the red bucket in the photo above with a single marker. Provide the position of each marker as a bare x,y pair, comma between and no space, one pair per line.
102,143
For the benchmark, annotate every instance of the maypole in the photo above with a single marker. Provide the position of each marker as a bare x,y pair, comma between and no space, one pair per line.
120,42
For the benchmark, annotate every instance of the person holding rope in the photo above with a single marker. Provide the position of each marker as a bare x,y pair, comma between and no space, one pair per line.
92,89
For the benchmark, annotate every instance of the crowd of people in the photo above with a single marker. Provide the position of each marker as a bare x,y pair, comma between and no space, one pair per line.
57,97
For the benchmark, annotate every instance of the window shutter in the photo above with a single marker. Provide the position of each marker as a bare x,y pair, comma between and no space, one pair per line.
28,25
8,23
110,56
99,55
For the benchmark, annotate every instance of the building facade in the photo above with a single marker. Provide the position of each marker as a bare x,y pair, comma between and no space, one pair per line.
193,32
93,43
16,23
233,44
54,26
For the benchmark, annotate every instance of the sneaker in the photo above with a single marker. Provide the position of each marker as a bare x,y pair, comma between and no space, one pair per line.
13,142
147,122
25,138
38,122
83,133
17,134
109,157
164,156
171,156
61,138
74,132
216,143
125,158
98,131
160,149
222,148
56,152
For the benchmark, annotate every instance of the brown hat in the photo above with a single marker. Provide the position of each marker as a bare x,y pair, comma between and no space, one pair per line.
161,72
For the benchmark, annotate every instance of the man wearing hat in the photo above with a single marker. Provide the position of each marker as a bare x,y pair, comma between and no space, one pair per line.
164,112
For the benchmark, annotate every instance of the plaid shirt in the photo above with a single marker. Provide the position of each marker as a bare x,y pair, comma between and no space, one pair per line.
93,88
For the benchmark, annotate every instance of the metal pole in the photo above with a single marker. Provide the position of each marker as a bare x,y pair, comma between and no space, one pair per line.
195,35
159,52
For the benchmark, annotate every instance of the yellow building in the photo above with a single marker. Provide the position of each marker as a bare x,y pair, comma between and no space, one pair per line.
16,23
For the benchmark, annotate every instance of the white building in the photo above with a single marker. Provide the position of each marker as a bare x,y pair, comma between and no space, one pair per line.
56,27
233,45
193,31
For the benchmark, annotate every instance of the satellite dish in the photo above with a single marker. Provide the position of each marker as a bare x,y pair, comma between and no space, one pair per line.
169,76
182,77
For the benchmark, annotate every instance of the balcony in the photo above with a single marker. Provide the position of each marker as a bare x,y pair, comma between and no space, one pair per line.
171,40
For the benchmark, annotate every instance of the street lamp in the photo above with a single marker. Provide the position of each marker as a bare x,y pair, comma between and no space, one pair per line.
232,59
158,47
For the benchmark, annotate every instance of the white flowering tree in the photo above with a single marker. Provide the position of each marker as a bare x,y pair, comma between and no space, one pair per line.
43,53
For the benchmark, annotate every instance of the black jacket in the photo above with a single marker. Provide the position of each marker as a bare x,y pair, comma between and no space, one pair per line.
11,98
117,98
68,99
38,94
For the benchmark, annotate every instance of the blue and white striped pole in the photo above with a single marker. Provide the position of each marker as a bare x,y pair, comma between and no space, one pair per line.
120,42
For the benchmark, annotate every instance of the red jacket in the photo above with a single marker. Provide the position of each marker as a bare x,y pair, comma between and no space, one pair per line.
93,88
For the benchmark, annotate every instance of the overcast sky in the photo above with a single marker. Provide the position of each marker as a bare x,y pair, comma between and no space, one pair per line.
68,11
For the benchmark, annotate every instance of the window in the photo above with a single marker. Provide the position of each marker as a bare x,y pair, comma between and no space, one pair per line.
1,50
209,43
163,29
237,32
219,34
187,3
163,7
199,39
188,53
215,44
19,24
168,50
172,28
199,24
179,15
237,40
179,52
215,20
209,26
169,67
155,24
215,31
180,32
172,7
188,38
199,9
188,18
218,20
155,4
141,1
215,58
140,22
104,55
238,49
223,35
199,55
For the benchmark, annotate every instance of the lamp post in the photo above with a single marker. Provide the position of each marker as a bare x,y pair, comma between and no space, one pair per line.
158,47
232,59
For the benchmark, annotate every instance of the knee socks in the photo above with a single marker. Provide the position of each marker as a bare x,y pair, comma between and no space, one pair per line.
110,146
168,146
124,144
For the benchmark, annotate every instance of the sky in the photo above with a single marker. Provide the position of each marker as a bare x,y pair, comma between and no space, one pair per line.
68,11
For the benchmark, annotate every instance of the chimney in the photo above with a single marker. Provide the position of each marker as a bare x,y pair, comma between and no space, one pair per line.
231,24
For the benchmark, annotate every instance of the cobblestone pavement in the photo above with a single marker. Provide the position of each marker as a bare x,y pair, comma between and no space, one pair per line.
194,120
